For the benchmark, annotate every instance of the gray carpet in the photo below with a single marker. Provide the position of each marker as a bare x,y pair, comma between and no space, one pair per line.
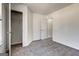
44,48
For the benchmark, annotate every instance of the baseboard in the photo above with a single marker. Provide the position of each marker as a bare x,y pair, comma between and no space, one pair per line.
27,44
36,39
46,38
16,44
65,45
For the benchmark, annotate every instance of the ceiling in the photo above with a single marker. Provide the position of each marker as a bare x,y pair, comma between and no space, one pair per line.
46,8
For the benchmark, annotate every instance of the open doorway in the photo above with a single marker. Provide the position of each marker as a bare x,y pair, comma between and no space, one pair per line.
16,28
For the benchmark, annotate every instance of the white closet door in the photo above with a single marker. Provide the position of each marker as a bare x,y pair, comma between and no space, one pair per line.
43,29
39,27
50,28
36,27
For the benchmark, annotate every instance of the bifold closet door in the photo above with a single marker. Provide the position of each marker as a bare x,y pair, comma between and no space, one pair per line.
43,28
50,28
40,26
36,26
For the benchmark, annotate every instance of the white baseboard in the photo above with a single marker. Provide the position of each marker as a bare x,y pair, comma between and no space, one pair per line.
16,43
66,45
27,44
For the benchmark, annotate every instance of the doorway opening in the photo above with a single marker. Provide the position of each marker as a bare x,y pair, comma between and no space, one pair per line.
16,28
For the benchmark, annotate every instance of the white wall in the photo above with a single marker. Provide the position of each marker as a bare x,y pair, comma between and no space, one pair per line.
2,46
30,25
3,30
24,9
1,33
5,18
66,26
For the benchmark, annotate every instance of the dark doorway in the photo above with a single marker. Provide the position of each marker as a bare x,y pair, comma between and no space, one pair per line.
16,27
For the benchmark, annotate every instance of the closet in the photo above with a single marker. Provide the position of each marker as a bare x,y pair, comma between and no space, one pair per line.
40,27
